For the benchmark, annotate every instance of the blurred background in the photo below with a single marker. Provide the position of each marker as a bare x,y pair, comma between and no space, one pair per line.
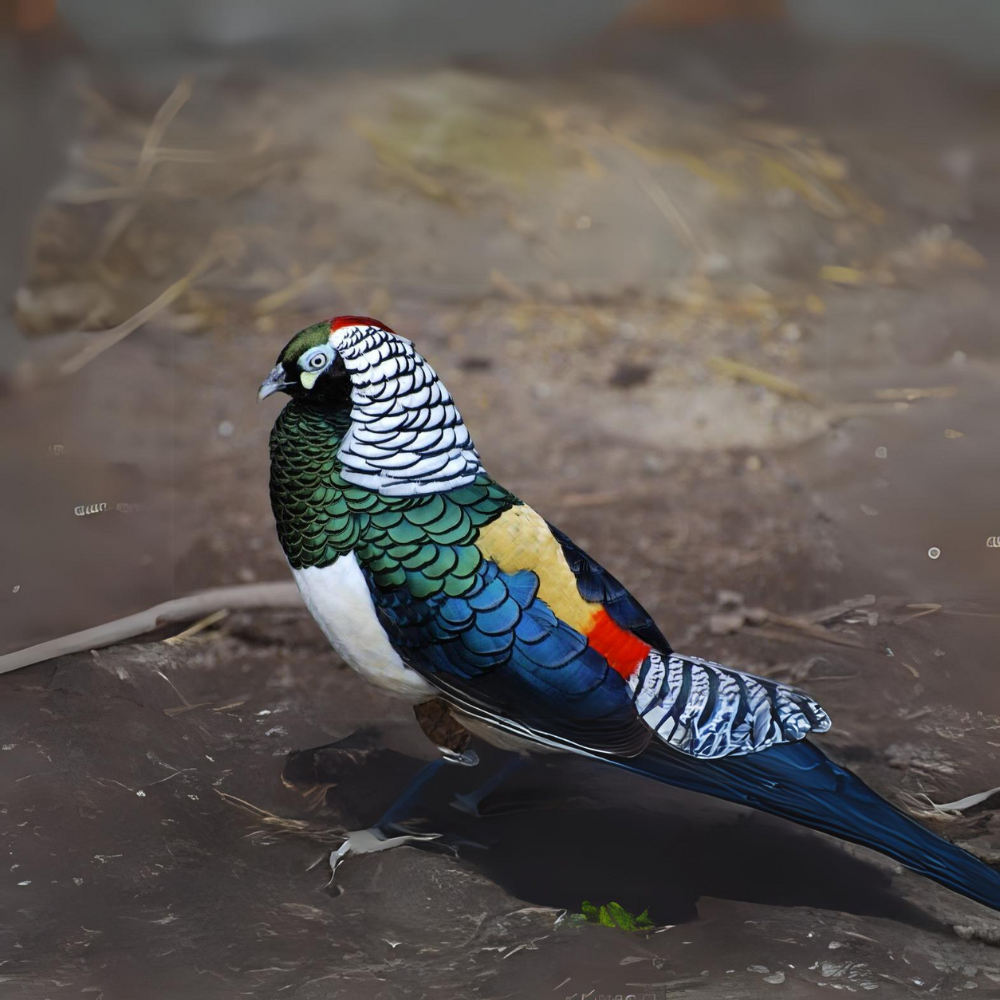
714,283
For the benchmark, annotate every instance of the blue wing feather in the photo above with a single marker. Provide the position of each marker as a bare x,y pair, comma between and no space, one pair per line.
595,583
500,650
797,781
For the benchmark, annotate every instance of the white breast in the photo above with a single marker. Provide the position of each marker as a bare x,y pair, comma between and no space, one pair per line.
338,598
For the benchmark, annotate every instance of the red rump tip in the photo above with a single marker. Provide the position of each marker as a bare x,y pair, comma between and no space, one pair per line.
623,651
339,322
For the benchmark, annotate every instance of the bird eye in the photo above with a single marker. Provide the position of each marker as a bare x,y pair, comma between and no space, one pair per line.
317,361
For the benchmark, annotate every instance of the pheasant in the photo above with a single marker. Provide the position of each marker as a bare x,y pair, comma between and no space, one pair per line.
439,585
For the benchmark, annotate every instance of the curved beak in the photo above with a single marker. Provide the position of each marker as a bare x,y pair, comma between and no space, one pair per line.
274,382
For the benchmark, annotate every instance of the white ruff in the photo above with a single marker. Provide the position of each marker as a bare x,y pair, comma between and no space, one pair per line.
338,598
406,435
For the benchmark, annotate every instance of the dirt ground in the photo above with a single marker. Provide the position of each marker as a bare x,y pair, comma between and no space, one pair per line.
725,312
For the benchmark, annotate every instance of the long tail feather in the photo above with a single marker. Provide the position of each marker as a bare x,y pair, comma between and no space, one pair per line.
797,781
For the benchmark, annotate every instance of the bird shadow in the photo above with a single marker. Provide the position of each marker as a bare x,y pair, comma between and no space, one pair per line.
565,830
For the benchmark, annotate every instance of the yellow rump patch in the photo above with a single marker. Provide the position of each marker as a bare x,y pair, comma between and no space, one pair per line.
520,539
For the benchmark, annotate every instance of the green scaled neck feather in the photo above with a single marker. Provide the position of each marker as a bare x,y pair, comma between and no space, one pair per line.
424,542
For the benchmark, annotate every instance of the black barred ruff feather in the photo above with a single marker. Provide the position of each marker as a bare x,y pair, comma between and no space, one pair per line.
407,437
706,710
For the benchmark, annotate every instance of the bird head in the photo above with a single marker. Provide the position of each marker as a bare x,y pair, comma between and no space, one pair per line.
310,367
406,434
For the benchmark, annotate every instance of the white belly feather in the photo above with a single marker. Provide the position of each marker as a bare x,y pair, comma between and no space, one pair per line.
338,598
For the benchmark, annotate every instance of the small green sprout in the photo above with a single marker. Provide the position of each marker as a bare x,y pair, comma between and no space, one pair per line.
615,915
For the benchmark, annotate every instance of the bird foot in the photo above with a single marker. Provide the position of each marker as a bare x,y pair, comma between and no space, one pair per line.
467,758
371,841
470,802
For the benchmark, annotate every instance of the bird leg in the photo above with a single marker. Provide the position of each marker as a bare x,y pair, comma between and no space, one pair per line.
452,740
469,802
378,837
451,737
402,808
444,730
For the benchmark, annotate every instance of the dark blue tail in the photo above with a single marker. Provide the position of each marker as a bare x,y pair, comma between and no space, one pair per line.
797,781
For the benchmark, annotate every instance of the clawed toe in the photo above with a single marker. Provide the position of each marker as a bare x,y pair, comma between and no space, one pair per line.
371,841
469,758
468,804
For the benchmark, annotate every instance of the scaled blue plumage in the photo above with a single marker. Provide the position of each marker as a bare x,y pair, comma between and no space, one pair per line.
505,651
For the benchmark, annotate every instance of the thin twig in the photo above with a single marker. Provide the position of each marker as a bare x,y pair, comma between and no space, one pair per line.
814,631
909,395
108,338
797,636
276,300
809,623
99,105
198,626
661,198
834,611
252,595
773,383
91,196
643,177
282,824
919,611
122,219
